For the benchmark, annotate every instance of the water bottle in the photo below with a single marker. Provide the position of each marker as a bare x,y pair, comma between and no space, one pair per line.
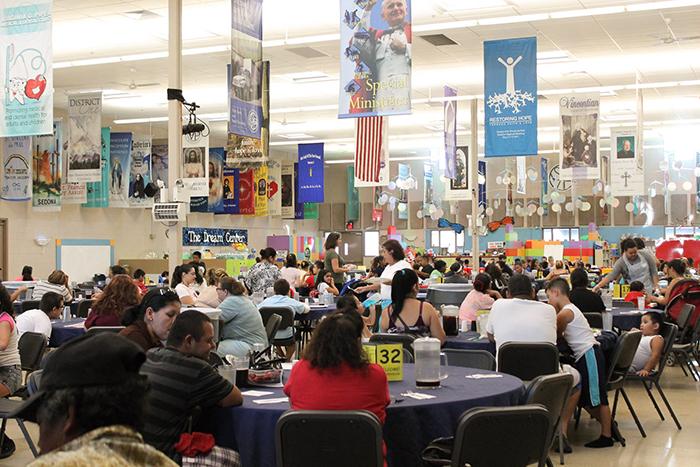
66,313
427,366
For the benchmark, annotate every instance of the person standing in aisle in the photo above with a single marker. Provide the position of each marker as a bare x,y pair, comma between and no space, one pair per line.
633,266
334,262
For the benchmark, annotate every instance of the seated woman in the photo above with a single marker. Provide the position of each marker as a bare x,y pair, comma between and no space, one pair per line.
480,298
326,284
675,271
350,303
406,308
585,299
10,364
439,271
291,271
376,268
334,373
140,281
498,281
209,297
119,295
184,282
648,354
58,283
558,271
242,323
149,323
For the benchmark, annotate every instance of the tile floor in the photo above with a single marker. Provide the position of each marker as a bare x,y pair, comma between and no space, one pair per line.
664,445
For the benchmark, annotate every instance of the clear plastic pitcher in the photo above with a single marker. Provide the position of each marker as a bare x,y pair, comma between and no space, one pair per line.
427,366
607,299
450,319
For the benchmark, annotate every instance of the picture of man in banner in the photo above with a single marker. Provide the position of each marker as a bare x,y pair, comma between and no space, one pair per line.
580,141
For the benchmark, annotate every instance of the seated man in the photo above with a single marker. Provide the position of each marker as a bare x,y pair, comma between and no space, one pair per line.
89,406
585,299
283,300
519,269
590,361
50,307
456,274
182,379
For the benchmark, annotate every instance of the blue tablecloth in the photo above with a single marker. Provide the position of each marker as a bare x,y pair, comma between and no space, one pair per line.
410,425
63,331
628,318
470,341
316,313
17,305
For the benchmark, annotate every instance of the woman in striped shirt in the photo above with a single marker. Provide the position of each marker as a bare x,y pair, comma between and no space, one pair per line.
57,283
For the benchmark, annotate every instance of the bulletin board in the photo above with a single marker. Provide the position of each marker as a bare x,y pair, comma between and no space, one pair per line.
81,259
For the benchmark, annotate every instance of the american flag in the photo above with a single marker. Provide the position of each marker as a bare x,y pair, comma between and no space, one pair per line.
370,137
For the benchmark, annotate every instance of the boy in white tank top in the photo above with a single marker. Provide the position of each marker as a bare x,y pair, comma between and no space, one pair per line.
651,346
573,327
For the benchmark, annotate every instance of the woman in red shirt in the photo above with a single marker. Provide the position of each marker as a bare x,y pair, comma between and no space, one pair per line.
335,374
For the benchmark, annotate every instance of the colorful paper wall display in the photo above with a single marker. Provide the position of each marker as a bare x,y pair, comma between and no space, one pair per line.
26,68
579,154
46,174
375,58
120,165
510,90
84,137
311,173
17,169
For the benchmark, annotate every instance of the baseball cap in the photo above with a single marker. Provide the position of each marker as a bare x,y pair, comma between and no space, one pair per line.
102,359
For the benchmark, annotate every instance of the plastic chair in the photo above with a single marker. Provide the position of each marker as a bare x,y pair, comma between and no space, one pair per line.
31,347
30,305
552,392
595,320
390,338
84,308
321,438
99,329
479,359
683,321
528,360
272,326
287,315
684,353
6,407
442,295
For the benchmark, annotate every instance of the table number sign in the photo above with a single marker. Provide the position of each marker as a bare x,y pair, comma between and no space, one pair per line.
621,290
389,357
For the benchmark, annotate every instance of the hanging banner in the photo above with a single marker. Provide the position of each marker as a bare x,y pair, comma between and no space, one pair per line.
98,192
310,173
403,182
288,190
140,172
482,186
375,64
73,193
579,156
119,167
195,164
274,188
217,160
199,204
311,211
510,90
625,176
450,132
211,237
231,191
521,175
84,137
371,152
260,188
457,188
544,174
26,68
246,190
17,169
352,209
298,207
46,173
159,163
427,188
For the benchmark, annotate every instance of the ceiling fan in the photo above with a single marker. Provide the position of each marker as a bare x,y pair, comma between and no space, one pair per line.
285,122
134,85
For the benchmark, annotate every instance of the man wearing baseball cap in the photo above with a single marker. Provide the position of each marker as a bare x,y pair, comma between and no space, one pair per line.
89,406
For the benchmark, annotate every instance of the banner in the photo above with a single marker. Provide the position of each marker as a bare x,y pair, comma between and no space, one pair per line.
544,175
298,207
197,236
450,132
17,169
246,189
231,191
159,163
521,175
427,188
98,192
371,152
274,188
260,188
84,137
140,172
73,193
288,190
482,186
311,211
626,178
510,90
119,167
375,63
311,173
46,173
26,68
195,164
579,153
352,209
457,188
217,160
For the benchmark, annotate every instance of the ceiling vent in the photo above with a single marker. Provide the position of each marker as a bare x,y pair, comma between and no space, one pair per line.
438,40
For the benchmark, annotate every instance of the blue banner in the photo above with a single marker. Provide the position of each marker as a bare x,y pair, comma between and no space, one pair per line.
98,192
482,186
310,173
298,207
510,91
198,236
119,167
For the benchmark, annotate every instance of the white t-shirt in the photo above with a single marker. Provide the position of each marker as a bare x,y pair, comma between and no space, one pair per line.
34,321
322,288
183,291
578,333
388,274
291,275
518,320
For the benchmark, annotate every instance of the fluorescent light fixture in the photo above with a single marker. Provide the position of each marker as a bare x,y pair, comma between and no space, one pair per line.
295,136
132,121
307,77
554,56
647,6
513,19
608,10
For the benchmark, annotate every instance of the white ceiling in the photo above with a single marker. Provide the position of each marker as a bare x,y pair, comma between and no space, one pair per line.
607,49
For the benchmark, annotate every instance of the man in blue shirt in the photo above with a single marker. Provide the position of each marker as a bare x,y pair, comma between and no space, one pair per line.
282,299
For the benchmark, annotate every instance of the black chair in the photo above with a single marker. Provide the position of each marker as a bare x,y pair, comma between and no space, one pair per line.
30,305
668,331
99,329
287,315
215,360
502,436
683,320
390,338
479,359
84,308
6,407
452,295
272,326
552,392
684,353
322,438
528,360
595,320
31,347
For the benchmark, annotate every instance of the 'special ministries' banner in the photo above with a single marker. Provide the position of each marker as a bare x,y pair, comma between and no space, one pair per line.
17,169
510,91
140,172
46,173
450,132
288,190
84,137
626,178
457,188
274,188
579,154
310,173
119,167
26,68
98,192
375,58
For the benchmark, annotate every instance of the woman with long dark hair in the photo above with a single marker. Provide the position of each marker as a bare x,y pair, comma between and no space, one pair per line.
333,262
184,278
406,308
27,274
119,295
394,259
291,271
480,298
149,323
498,282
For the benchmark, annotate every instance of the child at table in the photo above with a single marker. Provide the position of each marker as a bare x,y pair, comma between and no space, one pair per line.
651,346
480,298
326,284
636,291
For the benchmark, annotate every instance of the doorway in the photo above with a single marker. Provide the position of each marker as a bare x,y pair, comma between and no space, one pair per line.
3,250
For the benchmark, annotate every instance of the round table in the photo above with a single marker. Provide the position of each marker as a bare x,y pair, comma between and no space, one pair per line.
317,312
63,331
410,424
470,340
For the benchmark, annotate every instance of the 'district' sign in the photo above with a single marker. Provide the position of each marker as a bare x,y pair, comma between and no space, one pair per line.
198,236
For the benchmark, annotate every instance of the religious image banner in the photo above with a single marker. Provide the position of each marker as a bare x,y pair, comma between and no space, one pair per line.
457,188
579,153
521,176
140,172
159,163
450,132
195,164
231,191
98,192
626,178
17,169
375,58
288,190
260,187
311,173
84,137
26,68
246,190
46,173
510,91
217,161
274,188
119,167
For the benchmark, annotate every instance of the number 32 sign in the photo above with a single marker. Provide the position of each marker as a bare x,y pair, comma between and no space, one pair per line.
389,357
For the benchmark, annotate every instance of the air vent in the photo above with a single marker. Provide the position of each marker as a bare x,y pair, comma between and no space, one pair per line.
438,40
307,52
